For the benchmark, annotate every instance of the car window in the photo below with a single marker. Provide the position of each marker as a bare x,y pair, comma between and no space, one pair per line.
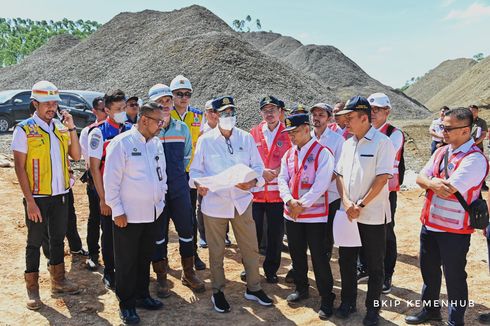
71,100
24,97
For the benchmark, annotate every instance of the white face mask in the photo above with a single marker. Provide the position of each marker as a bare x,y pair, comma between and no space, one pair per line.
227,123
120,117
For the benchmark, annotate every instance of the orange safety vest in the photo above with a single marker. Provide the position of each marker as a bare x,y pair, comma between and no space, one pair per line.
394,183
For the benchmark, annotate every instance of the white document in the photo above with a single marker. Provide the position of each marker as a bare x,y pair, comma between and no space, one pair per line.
345,232
228,178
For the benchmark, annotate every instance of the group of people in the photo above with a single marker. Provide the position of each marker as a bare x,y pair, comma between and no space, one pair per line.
311,165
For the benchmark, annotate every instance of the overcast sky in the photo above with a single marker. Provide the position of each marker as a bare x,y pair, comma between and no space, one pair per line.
391,40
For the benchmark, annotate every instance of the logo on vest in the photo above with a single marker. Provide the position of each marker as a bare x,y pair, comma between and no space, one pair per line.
279,143
310,159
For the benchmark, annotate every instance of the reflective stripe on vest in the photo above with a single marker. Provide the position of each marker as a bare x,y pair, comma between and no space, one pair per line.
447,214
302,179
193,120
269,193
394,182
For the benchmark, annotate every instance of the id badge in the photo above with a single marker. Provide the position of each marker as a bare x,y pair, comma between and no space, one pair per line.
159,173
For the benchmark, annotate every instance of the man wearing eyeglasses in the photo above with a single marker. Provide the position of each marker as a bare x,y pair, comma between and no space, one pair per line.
219,149
176,141
132,109
181,89
135,184
445,235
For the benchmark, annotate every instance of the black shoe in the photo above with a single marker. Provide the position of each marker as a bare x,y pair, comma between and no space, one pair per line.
92,263
109,282
484,319
484,187
219,302
272,279
387,285
81,252
290,276
243,276
344,310
149,303
298,296
129,316
371,318
362,275
326,307
262,251
423,316
227,242
198,263
258,296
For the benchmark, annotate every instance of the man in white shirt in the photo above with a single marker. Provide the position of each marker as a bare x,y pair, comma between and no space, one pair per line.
218,150
135,185
445,235
365,165
305,176
339,124
436,132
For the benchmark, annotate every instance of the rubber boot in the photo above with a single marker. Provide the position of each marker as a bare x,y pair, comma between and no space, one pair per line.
189,277
161,268
60,284
32,286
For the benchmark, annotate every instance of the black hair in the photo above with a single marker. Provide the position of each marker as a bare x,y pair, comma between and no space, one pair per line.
114,96
150,107
97,100
473,106
461,114
444,108
366,112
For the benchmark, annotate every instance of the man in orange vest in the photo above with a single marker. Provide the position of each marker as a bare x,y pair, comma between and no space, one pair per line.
445,236
272,145
304,178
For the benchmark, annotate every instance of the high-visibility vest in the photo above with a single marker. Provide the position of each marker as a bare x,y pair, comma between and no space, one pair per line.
38,165
394,183
335,127
302,178
269,193
193,120
447,214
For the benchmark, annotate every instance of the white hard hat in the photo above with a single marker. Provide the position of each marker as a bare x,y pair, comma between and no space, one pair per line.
159,90
380,100
208,105
180,82
45,91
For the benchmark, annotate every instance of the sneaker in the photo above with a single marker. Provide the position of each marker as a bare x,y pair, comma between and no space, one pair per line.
290,276
227,242
243,276
484,319
326,307
92,264
109,282
387,285
258,296
219,302
362,275
371,318
484,187
272,279
81,252
344,310
202,243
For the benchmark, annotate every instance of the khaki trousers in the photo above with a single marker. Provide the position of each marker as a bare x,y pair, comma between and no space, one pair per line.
246,237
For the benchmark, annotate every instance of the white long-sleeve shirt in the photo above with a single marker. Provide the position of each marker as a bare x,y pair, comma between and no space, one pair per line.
135,181
213,156
323,177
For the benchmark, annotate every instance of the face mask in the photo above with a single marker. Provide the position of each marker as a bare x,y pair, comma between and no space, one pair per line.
120,117
227,123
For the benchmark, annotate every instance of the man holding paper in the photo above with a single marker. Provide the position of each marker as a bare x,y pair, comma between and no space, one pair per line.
304,178
363,170
219,150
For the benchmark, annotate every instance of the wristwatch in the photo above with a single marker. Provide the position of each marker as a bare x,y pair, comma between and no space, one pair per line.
360,203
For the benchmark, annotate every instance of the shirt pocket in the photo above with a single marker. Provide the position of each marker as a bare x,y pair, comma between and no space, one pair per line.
136,168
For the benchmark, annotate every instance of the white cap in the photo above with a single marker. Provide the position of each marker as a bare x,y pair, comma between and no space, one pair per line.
159,90
208,105
45,91
180,82
379,99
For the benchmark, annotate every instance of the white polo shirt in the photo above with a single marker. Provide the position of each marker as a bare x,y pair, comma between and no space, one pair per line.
135,181
19,144
359,164
435,126
269,135
334,142
212,156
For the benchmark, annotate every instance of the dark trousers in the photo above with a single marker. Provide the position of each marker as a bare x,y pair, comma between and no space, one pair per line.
93,223
314,236
133,247
193,195
52,231
273,213
179,210
373,239
391,248
107,241
74,241
449,250
433,146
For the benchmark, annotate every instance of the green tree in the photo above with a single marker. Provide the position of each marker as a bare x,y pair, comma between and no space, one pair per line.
245,25
479,57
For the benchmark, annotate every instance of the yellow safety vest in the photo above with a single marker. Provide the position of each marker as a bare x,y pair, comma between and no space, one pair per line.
38,163
193,120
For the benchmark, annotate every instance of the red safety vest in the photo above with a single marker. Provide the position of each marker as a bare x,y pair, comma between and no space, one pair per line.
269,193
335,127
394,183
447,214
302,179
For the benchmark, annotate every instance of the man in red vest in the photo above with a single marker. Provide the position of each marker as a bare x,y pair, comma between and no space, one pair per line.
445,236
272,145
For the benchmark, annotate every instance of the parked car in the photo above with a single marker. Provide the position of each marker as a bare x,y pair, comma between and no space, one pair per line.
14,106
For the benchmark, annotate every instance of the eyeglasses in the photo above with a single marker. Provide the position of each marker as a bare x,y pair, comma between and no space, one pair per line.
271,111
376,109
133,105
182,94
227,114
449,129
228,143
160,123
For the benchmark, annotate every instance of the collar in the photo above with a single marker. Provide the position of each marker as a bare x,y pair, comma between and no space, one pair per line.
323,135
463,148
368,136
382,126
265,128
112,123
43,123
137,134
307,146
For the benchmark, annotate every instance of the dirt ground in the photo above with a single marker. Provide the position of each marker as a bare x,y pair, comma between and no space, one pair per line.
96,306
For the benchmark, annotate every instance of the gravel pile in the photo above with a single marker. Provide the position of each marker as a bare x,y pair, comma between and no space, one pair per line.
438,78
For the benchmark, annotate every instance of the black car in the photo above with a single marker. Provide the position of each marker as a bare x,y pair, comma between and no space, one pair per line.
14,107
